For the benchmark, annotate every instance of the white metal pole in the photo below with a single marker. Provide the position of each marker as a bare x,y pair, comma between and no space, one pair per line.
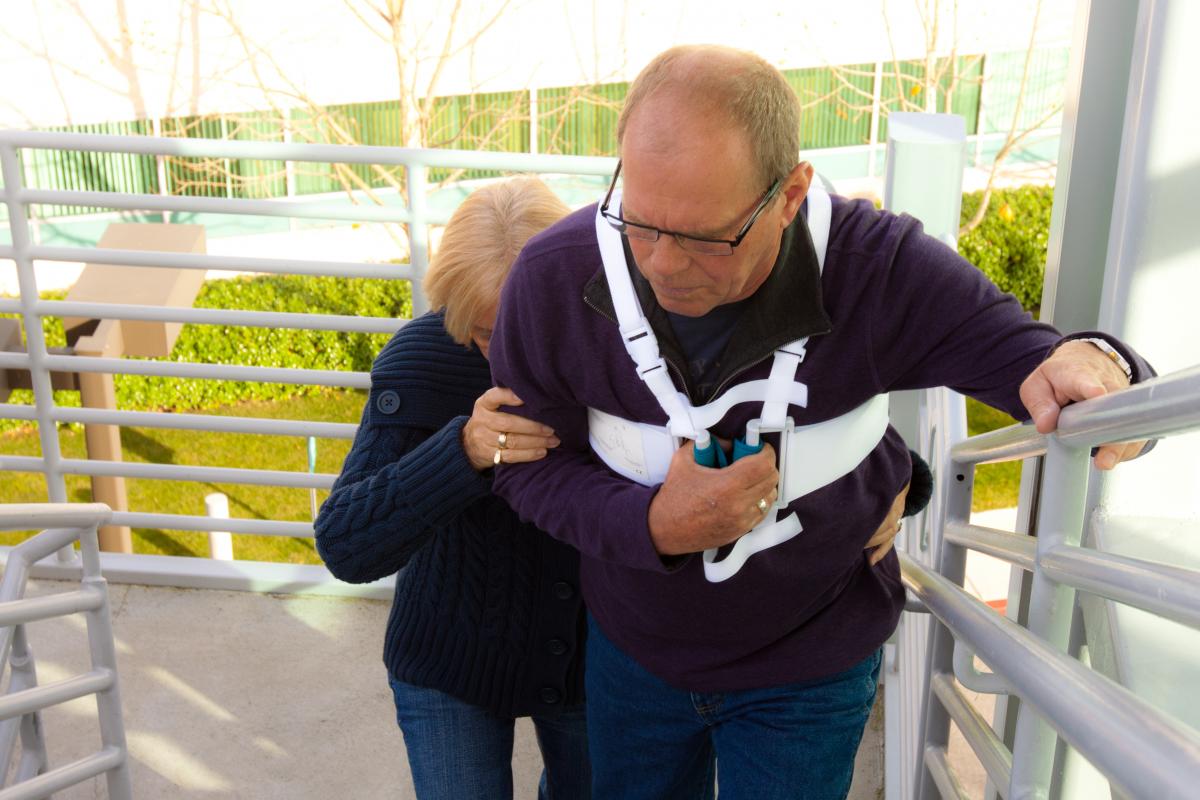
418,236
873,140
533,119
35,339
220,543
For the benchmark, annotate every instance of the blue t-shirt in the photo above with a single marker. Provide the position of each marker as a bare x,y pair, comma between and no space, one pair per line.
703,340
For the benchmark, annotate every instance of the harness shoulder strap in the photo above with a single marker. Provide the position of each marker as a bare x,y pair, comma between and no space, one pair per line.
820,217
636,333
642,345
789,357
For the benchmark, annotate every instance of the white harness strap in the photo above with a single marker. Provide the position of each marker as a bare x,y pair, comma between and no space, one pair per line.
640,341
820,217
639,452
779,384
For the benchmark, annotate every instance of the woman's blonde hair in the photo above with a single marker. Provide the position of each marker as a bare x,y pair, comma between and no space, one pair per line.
479,245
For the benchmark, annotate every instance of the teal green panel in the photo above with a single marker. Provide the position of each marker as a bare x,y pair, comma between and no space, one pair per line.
835,104
255,178
490,122
195,176
580,120
958,88
81,171
1043,91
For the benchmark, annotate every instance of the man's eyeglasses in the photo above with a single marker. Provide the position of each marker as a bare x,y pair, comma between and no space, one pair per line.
693,244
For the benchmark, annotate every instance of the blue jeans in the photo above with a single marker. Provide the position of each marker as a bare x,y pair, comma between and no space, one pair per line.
458,750
650,740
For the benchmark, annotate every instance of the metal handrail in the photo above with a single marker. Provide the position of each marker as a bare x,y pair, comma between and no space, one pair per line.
24,699
277,266
190,369
1152,409
1124,737
323,153
409,208
219,316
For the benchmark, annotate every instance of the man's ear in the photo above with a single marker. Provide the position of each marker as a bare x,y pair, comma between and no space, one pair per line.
794,190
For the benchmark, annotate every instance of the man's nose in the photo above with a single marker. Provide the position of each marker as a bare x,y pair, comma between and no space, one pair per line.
667,258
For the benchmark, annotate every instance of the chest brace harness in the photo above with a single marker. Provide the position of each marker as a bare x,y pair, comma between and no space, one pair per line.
810,456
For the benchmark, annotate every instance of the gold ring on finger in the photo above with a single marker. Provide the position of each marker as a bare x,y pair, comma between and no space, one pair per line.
763,505
496,458
502,441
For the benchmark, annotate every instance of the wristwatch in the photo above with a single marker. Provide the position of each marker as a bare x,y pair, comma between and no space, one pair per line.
1112,353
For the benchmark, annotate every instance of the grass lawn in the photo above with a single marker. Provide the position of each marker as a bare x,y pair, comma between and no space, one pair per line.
996,485
205,449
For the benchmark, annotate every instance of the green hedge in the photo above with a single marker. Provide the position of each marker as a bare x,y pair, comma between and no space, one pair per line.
263,347
269,347
1010,243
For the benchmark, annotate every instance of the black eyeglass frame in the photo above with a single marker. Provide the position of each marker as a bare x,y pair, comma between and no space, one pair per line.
682,239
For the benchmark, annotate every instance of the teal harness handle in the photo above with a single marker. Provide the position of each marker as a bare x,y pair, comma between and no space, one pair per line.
708,453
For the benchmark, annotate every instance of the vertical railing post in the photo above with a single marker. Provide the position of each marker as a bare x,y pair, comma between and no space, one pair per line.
160,167
104,656
418,235
952,562
220,543
924,175
34,759
876,106
533,119
289,169
1051,607
980,116
35,338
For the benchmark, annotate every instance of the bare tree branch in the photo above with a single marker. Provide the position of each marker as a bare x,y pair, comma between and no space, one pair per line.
369,24
124,61
50,65
1015,134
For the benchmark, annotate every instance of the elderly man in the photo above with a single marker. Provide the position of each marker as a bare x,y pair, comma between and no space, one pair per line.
725,297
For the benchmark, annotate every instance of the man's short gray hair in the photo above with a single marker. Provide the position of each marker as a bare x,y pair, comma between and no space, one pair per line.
752,93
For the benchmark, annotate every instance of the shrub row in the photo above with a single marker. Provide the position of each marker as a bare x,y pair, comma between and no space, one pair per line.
262,347
1009,245
269,347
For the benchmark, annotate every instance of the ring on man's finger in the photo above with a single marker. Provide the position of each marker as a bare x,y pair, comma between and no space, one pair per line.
899,526
502,441
496,457
763,505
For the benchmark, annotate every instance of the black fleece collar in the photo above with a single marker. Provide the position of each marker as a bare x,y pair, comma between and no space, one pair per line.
785,308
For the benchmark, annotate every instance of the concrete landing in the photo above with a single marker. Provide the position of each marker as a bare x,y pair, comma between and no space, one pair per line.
241,695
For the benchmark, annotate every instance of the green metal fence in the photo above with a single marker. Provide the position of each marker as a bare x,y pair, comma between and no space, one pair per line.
835,104
93,172
1043,89
839,110
580,120
491,122
958,86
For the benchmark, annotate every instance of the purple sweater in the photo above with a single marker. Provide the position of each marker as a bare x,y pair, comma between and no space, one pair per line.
895,309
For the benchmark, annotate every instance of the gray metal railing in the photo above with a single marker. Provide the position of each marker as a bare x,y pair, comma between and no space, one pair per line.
1141,750
414,214
22,703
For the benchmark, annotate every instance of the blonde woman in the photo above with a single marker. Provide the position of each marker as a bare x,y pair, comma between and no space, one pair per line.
487,622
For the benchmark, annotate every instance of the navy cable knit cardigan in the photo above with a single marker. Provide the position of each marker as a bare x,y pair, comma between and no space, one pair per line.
486,608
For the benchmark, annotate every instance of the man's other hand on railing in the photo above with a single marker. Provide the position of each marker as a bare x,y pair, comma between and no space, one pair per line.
1077,370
